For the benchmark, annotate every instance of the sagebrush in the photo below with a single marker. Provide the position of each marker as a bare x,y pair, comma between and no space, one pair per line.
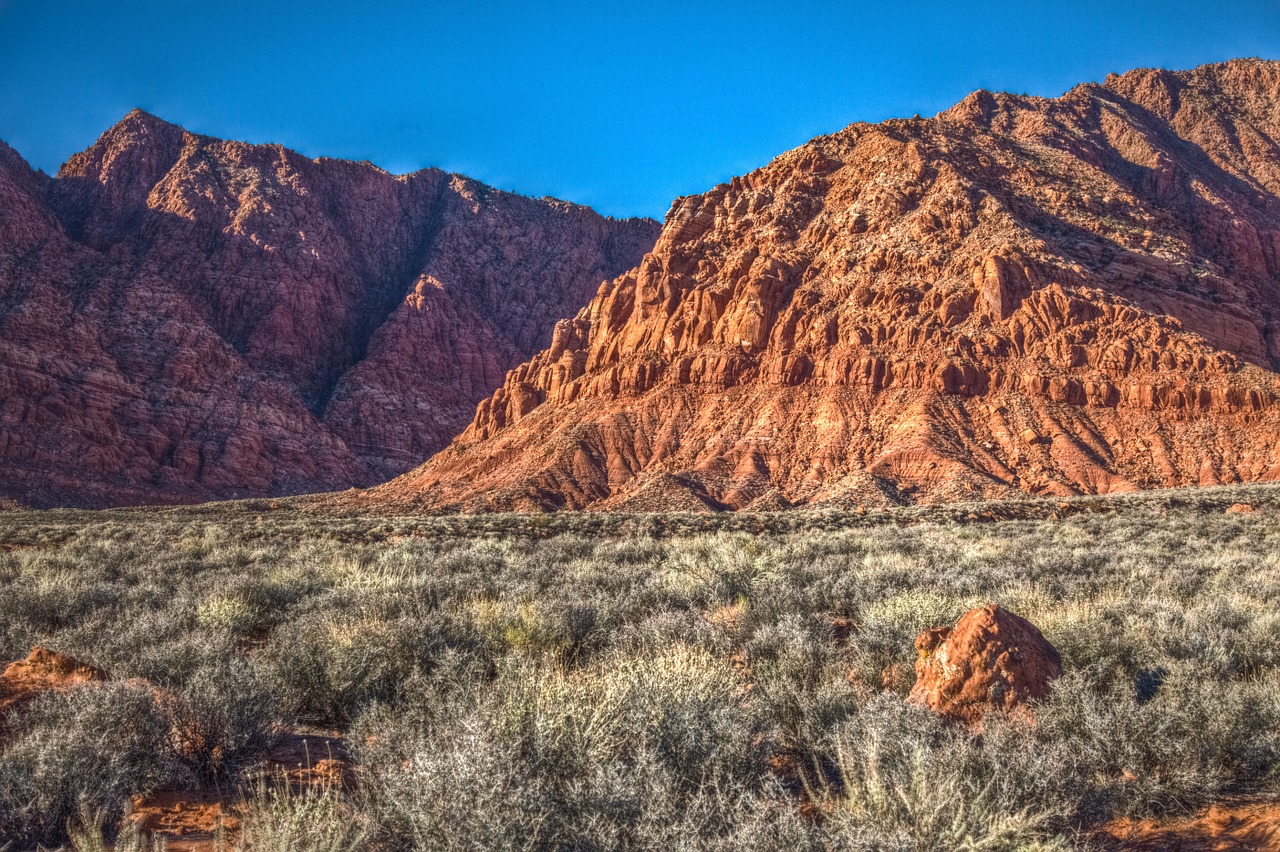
645,682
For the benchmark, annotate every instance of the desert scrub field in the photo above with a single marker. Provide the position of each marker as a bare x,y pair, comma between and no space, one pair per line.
587,682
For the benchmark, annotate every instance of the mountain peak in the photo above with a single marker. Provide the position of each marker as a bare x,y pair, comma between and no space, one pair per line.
1082,296
138,140
221,319
139,127
141,116
1158,89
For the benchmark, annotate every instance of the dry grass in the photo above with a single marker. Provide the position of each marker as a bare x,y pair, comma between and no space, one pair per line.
651,682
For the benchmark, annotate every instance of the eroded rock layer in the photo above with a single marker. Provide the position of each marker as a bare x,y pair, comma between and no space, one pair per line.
184,318
1054,296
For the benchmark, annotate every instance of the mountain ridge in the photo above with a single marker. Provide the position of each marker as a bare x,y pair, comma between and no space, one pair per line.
1048,295
199,318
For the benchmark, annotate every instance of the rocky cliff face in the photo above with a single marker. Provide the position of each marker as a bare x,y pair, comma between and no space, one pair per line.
184,318
1054,296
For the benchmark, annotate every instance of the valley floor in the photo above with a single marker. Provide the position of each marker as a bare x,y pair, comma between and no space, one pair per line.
312,681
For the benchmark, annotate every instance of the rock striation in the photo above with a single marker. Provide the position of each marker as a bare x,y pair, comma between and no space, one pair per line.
184,318
1020,295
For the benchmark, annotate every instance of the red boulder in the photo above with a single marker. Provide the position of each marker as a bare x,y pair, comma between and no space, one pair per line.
992,660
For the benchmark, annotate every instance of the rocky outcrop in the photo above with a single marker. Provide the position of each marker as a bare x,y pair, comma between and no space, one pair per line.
25,680
991,661
184,318
1053,296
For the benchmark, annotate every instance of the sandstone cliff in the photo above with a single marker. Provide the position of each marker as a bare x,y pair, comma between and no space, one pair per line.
184,318
1054,296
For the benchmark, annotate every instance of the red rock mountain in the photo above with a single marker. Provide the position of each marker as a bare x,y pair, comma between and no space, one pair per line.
184,318
1054,296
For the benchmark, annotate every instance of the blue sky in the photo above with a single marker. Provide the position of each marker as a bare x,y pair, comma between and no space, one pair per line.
621,106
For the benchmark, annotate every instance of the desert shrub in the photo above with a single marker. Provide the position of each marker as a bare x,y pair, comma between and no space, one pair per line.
282,818
232,614
880,657
1177,748
903,615
47,594
909,781
1096,636
89,832
475,798
555,629
673,681
326,667
153,643
171,661
87,750
713,570
222,717
680,705
799,689
664,628
629,753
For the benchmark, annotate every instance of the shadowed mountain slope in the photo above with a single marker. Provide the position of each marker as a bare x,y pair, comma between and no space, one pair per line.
184,318
1053,296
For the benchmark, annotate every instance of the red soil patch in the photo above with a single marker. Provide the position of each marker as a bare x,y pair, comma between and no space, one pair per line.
1239,824
188,820
310,760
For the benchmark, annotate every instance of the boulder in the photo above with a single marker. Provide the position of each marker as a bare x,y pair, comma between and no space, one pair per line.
992,660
